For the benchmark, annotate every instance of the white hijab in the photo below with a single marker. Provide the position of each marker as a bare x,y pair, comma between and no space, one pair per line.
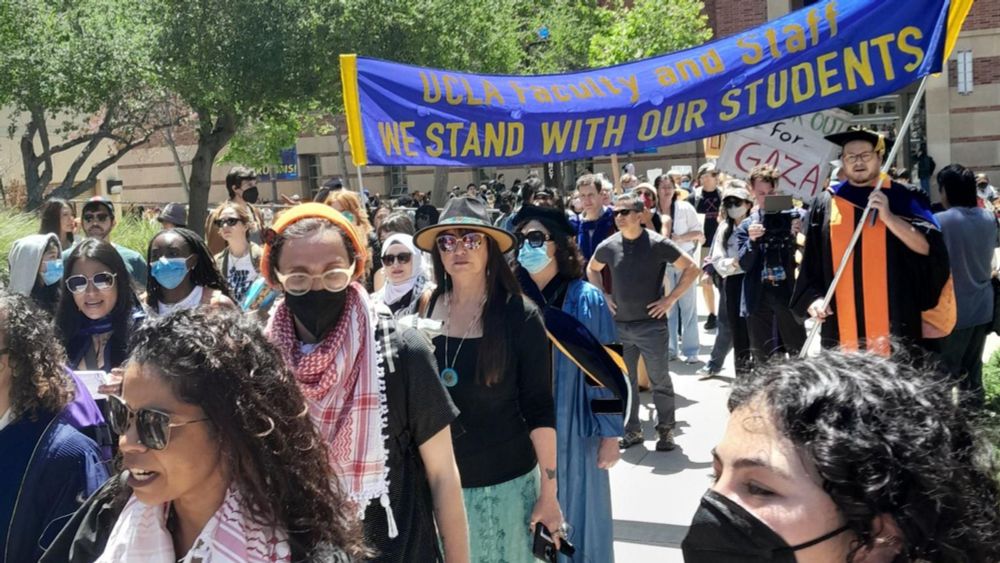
24,260
393,292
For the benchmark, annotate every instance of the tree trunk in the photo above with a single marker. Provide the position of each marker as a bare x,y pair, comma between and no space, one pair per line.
168,134
439,192
211,141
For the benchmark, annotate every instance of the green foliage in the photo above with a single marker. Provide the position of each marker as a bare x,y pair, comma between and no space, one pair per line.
991,382
251,58
259,142
650,28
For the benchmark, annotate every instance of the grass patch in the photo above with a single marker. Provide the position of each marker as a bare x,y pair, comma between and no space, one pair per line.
130,232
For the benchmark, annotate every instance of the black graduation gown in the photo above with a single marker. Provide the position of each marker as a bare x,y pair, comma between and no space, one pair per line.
914,282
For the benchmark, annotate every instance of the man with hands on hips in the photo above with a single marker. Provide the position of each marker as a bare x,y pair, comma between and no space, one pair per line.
637,259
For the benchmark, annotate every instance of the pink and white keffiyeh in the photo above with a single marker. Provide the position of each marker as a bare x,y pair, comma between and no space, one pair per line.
140,536
345,391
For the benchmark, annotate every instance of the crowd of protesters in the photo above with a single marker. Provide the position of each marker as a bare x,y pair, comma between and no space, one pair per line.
356,380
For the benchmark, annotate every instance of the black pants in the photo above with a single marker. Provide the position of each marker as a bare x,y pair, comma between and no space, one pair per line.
742,357
962,357
773,327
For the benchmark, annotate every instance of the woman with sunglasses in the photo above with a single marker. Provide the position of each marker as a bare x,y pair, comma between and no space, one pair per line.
725,260
493,357
36,268
47,465
402,263
219,463
239,262
371,389
550,269
97,309
182,274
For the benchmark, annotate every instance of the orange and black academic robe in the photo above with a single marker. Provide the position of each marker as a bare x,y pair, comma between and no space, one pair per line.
886,286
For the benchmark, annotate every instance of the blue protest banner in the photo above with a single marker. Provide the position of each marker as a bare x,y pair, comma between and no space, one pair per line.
829,54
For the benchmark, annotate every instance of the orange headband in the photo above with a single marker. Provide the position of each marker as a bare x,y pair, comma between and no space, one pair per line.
314,211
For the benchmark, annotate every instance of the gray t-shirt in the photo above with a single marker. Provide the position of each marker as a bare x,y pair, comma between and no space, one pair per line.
637,268
970,234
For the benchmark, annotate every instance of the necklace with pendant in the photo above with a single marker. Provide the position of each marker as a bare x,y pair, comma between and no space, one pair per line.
448,375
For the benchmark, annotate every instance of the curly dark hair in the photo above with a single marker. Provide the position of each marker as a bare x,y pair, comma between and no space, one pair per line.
39,383
305,228
887,438
205,273
219,360
69,318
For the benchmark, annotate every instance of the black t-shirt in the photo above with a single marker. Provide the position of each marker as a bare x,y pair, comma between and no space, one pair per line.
419,407
491,435
709,203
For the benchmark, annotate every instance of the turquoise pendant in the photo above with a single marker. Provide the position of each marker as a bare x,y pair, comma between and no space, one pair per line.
449,377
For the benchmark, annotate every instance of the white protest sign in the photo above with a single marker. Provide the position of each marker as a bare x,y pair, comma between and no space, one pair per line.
652,174
680,170
795,146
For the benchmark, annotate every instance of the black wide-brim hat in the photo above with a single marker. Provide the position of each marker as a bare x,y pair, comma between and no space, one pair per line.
858,134
467,213
553,219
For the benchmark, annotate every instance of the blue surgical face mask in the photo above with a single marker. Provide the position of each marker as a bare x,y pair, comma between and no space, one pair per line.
169,272
533,259
685,184
53,271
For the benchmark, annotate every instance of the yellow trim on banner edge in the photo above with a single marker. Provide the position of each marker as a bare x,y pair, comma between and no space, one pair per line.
352,109
958,10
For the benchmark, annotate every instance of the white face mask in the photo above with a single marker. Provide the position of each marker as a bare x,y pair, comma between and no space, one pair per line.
737,212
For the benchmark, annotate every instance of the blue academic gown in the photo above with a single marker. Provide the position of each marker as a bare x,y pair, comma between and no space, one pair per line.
584,489
47,469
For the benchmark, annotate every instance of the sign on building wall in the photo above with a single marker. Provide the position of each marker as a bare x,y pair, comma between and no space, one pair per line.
287,170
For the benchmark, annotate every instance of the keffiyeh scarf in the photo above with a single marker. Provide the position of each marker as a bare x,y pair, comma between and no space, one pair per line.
343,384
140,536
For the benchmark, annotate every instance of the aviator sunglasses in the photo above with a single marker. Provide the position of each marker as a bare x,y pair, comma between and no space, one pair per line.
152,426
449,243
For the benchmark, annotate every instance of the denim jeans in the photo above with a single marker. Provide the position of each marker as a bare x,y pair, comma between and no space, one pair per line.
648,339
684,313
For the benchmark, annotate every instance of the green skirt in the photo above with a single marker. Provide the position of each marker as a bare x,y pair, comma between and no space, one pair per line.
500,519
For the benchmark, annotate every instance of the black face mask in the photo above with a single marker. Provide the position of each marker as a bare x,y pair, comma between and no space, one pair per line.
724,532
318,311
250,195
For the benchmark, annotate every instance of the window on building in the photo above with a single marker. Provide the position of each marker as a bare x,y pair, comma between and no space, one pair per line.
964,75
397,180
310,173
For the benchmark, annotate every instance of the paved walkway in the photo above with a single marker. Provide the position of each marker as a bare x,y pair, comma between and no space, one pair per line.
654,494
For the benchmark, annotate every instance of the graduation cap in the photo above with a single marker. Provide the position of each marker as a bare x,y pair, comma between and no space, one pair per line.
603,366
858,134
